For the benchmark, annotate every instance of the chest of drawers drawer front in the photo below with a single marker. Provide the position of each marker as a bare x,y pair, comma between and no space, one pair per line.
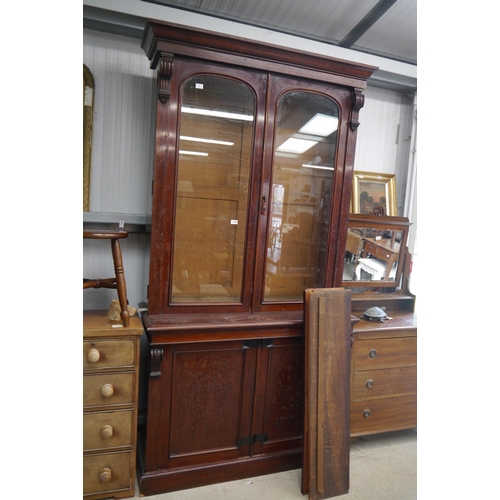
385,353
107,430
100,354
387,382
107,472
108,389
383,414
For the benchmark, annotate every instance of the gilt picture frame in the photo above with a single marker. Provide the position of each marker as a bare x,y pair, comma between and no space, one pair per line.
371,190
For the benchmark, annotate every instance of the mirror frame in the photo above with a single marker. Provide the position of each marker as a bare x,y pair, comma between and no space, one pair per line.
88,118
381,222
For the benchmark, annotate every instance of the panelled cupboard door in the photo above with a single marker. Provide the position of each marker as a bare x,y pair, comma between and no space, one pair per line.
248,189
206,404
224,400
279,397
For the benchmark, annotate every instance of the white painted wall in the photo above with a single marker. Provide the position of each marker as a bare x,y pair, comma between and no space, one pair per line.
122,151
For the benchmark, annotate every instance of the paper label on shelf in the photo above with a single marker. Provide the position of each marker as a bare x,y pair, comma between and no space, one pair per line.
233,221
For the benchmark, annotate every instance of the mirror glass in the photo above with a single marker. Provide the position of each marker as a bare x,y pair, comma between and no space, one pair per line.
375,251
372,254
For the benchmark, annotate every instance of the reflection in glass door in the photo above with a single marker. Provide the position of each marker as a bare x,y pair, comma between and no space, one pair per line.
302,180
215,147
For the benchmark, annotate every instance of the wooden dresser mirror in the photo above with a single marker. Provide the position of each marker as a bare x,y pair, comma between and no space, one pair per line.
384,352
375,250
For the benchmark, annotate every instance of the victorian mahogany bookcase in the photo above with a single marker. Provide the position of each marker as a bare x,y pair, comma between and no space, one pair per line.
253,165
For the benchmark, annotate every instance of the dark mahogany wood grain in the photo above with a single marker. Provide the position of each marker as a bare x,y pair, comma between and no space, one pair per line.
325,470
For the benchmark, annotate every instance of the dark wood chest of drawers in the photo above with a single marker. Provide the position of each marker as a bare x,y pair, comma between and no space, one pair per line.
384,374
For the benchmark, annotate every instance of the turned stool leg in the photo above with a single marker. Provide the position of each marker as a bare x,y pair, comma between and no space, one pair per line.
120,281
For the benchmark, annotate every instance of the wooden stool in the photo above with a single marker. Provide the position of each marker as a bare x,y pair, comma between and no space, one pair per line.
374,267
118,281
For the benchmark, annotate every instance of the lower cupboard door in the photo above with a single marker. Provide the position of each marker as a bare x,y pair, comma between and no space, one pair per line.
279,400
206,405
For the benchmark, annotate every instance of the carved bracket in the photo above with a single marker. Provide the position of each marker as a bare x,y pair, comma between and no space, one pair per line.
378,212
156,357
358,101
164,76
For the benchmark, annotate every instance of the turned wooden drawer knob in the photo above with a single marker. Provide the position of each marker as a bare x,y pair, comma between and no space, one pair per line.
106,432
369,384
367,413
105,475
372,353
107,390
93,356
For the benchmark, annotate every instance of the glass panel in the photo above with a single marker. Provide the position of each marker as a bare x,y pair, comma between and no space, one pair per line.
215,147
302,181
371,254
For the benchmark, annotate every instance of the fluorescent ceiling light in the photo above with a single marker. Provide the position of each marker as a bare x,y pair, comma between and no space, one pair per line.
322,125
208,141
286,155
317,166
195,153
218,114
298,146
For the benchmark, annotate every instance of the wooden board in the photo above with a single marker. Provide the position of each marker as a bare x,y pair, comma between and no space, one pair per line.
327,326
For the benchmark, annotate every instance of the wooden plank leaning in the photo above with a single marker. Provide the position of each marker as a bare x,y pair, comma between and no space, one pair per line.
327,326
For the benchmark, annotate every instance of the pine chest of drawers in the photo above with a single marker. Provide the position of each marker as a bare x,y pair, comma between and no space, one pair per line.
110,400
384,375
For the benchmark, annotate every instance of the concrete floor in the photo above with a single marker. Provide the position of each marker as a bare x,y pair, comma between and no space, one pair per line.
383,467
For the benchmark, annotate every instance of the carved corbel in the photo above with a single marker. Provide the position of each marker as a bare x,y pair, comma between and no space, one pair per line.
164,76
378,212
358,101
156,357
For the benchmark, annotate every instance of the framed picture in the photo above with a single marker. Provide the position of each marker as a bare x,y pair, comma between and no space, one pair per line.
371,190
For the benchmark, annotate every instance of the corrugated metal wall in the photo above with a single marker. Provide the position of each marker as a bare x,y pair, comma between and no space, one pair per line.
122,147
122,157
376,146
384,136
122,151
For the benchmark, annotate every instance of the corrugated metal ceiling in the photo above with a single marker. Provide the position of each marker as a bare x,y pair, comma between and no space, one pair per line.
387,28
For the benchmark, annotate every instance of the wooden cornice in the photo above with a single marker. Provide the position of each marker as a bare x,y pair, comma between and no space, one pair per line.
160,38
